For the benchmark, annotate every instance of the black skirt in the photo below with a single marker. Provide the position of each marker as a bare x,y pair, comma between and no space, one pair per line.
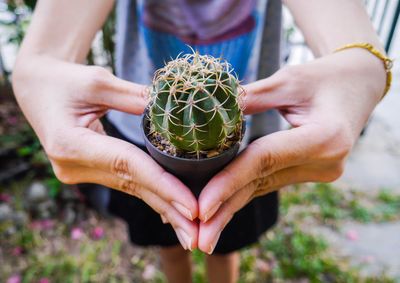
146,228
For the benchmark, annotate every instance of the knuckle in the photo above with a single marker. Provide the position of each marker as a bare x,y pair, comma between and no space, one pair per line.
164,212
63,175
230,178
337,144
165,178
267,161
297,79
121,166
263,184
59,150
145,92
333,173
294,74
98,77
130,187
228,217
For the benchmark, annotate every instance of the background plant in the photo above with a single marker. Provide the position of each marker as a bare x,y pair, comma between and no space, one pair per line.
18,14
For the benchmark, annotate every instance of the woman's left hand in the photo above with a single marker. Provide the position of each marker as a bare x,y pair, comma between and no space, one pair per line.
327,101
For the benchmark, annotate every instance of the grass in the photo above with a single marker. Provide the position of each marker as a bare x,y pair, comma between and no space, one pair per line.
293,254
329,204
87,266
299,255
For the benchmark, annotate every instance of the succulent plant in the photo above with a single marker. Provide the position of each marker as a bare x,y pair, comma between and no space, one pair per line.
195,103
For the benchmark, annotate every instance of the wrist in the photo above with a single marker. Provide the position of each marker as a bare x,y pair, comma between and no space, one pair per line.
387,63
363,70
372,68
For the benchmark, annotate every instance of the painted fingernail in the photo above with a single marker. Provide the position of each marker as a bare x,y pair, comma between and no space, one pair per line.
186,212
184,239
163,219
212,246
211,212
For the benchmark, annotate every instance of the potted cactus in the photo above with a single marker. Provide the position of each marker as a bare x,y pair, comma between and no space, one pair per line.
194,123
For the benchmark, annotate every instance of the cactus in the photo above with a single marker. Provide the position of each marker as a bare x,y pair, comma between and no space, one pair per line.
195,103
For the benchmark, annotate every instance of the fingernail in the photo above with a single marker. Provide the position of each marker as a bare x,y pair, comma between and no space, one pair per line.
163,219
212,246
180,238
212,211
182,210
184,239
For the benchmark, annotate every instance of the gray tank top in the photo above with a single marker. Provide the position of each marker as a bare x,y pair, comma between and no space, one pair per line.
149,33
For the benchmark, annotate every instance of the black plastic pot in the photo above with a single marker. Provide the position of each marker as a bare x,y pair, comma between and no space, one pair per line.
194,173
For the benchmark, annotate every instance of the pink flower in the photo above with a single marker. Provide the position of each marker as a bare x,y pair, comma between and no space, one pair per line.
5,197
47,224
263,266
352,235
17,251
44,280
97,233
42,224
12,120
14,279
76,233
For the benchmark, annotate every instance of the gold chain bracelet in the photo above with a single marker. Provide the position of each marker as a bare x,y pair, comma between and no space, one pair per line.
387,62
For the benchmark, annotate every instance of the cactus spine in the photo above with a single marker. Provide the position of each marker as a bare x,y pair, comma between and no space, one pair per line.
195,103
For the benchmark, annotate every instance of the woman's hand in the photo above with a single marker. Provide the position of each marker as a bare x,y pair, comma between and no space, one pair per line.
63,102
327,101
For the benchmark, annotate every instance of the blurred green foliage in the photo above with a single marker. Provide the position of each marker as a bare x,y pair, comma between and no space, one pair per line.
330,204
287,252
19,17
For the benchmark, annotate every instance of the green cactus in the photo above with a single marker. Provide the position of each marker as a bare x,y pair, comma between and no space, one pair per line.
195,103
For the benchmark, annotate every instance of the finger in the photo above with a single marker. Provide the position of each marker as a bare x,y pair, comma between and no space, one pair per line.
263,94
186,230
132,98
122,95
102,88
227,182
277,91
97,127
210,231
129,163
263,157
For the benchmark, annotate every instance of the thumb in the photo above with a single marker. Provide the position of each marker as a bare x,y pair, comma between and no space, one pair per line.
122,95
262,158
275,92
83,156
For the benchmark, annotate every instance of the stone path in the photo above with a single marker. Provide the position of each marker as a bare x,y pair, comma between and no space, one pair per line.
375,164
374,247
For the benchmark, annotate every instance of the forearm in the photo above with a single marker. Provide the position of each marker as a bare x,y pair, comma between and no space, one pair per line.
329,24
64,29
60,33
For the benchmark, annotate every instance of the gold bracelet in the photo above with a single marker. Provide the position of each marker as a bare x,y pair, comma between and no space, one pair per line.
387,62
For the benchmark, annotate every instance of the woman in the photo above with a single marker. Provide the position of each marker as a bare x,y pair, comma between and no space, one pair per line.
327,101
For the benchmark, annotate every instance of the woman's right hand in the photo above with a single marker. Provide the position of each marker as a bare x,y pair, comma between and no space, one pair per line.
63,102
